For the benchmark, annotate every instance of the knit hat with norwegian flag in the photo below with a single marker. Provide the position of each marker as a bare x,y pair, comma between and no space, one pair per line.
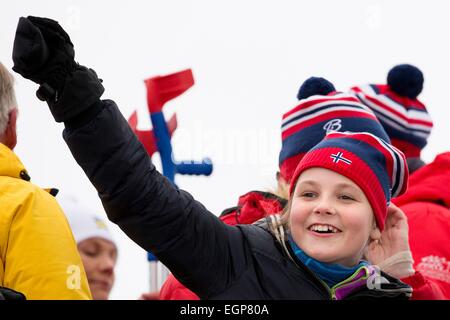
377,167
320,110
403,116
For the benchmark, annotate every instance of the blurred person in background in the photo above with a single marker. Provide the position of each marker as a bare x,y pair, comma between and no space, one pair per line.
96,246
426,204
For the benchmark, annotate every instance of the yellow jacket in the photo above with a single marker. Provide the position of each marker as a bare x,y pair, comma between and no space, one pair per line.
38,254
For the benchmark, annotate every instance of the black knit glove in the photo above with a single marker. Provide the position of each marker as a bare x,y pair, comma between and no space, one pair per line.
44,54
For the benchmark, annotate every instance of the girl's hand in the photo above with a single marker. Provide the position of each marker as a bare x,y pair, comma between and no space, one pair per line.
391,252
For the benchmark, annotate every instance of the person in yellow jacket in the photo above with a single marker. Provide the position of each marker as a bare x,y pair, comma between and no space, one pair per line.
38,253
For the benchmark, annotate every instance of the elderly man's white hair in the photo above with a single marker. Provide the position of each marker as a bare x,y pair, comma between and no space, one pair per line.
7,97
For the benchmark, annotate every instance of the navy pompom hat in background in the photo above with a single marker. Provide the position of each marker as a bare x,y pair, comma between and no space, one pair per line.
403,116
315,86
321,110
406,80
377,167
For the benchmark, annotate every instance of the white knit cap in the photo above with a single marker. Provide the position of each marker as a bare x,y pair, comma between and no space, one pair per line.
84,223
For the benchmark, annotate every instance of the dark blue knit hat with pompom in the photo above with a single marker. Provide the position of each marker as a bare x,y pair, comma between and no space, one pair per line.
315,86
404,117
406,80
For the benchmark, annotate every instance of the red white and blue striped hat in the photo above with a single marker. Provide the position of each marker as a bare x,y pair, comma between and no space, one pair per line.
377,167
403,116
321,110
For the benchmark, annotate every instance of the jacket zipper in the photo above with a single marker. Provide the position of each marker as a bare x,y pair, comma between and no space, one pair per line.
348,281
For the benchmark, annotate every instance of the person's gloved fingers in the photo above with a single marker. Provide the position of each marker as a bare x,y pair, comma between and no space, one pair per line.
54,35
51,28
44,54
30,50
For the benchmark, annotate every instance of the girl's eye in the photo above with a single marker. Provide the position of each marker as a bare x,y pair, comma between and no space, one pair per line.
308,194
346,197
90,253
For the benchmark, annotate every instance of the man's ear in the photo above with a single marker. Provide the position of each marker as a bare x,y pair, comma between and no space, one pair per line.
10,135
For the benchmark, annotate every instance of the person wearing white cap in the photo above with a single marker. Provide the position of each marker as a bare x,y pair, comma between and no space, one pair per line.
97,248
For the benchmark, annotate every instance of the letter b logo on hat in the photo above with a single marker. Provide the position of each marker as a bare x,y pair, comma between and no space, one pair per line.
332,125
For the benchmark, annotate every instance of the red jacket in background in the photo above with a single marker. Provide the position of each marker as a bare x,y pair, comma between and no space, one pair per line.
427,204
251,207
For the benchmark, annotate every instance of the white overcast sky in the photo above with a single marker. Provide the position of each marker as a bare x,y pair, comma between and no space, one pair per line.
248,60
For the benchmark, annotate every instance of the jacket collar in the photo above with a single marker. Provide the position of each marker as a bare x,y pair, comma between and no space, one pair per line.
423,183
10,165
253,206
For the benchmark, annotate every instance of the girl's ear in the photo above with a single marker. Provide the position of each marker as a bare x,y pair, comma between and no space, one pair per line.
375,233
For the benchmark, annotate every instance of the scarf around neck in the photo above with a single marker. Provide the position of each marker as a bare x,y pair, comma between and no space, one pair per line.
330,273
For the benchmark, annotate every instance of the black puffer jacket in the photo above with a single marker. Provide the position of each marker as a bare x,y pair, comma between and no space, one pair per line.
214,260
